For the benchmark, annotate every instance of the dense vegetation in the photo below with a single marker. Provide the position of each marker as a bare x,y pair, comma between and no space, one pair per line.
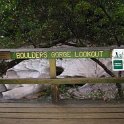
44,23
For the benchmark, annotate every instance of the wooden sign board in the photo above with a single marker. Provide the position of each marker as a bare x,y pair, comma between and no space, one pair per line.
60,54
54,53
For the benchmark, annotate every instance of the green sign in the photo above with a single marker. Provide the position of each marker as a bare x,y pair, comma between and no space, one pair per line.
118,64
60,54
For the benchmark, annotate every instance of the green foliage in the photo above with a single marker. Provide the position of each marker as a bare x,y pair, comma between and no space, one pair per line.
42,22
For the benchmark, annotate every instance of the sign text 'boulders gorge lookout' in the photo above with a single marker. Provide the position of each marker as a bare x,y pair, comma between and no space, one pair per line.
60,54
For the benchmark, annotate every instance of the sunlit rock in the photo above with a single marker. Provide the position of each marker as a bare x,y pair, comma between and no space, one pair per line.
39,68
20,92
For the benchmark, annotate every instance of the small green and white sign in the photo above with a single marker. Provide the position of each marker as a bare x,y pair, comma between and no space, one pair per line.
118,64
118,60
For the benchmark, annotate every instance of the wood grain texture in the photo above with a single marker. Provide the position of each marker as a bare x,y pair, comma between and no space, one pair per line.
61,121
5,55
91,104
27,113
61,109
62,80
54,87
62,115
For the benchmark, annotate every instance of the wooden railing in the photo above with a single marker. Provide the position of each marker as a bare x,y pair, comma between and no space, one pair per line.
52,55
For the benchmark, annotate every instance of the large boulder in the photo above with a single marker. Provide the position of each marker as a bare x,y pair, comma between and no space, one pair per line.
39,68
94,91
27,69
84,67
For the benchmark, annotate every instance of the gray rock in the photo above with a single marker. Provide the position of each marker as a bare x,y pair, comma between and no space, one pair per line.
39,68
25,90
1,95
2,88
94,91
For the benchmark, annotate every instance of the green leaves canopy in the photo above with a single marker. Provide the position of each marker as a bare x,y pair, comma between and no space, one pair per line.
44,23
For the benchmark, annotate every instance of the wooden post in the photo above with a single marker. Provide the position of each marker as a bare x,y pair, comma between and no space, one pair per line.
54,88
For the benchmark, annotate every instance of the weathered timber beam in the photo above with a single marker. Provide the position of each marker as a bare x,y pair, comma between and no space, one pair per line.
53,53
54,87
5,55
62,81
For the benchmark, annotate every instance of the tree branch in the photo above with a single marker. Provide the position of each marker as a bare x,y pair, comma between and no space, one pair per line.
104,67
120,92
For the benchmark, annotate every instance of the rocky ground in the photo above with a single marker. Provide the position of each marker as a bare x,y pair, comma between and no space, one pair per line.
39,68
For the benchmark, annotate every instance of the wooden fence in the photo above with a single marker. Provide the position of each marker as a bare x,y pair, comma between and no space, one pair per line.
52,55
